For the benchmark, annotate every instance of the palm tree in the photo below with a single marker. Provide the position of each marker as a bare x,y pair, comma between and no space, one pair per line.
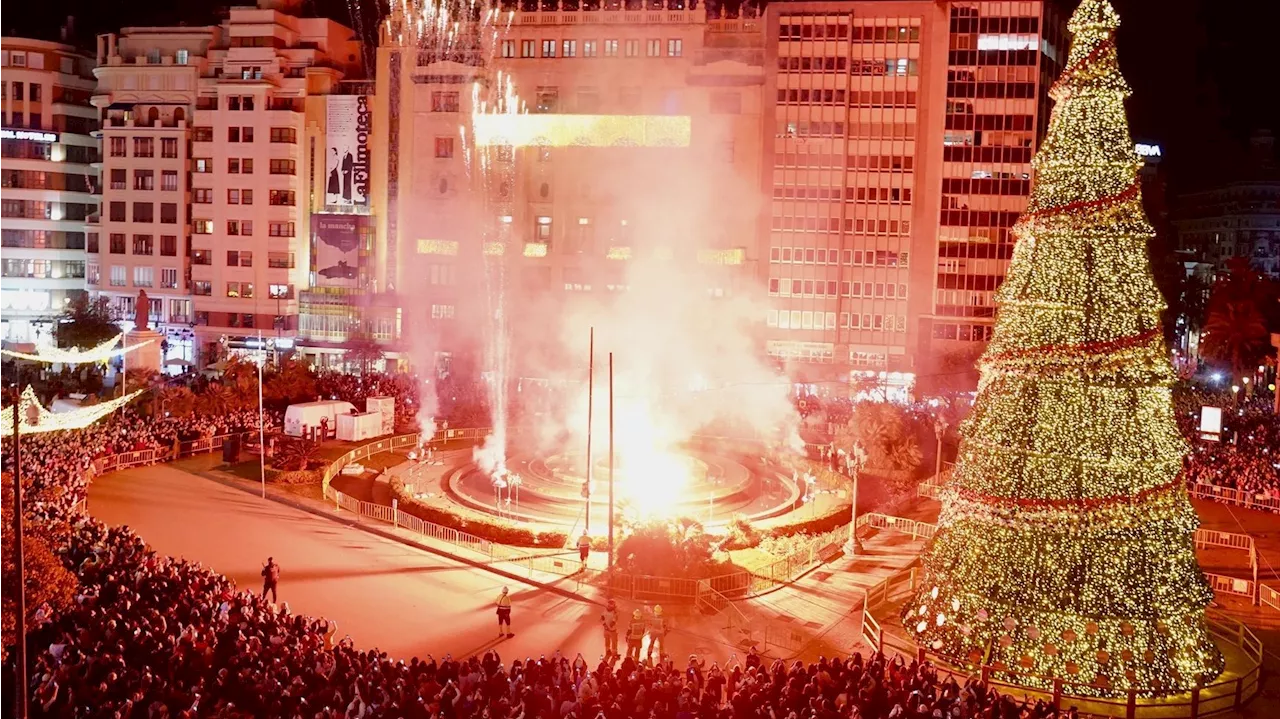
1236,334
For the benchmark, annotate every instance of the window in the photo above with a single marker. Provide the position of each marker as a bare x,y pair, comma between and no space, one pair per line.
239,227
233,197
169,213
239,258
168,246
280,229
143,276
246,197
542,229
201,257
569,48
93,274
281,197
117,243
280,260
181,57
202,195
118,278
169,181
116,212
240,289
548,99
527,48
233,166
588,100
548,48
233,134
508,48
204,164
118,179
202,288
444,147
588,48
202,134
675,48
284,134
441,312
144,180
632,48
117,146
653,48
279,167
142,245
444,101
610,48
169,147
143,212
277,292
202,227
169,277
144,147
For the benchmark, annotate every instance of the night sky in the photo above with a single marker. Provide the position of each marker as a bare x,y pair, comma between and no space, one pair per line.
1203,72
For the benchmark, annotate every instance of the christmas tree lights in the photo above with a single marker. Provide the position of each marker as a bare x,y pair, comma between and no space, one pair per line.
1065,548
75,355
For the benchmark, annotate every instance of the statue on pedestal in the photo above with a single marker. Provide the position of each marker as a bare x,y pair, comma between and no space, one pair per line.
141,312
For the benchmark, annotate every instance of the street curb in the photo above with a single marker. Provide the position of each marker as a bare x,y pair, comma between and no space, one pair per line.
377,531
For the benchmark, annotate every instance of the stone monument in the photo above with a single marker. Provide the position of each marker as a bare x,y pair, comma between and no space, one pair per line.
149,356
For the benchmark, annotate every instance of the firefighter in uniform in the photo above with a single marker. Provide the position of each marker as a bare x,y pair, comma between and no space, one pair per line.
635,635
504,613
609,621
657,634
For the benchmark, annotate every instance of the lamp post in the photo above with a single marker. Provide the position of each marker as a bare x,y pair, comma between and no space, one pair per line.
940,429
1235,395
262,425
856,458
611,465
19,671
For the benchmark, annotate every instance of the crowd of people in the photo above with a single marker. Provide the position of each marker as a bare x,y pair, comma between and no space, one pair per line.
1245,455
154,636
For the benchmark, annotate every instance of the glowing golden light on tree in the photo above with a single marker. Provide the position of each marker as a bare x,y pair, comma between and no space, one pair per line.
1065,546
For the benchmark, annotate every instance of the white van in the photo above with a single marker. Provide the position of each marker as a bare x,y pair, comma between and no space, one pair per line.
301,418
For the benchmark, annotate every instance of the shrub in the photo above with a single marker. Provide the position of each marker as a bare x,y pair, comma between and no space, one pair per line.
482,528
667,548
294,454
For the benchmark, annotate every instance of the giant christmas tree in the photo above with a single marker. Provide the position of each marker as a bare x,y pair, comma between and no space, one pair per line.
1065,546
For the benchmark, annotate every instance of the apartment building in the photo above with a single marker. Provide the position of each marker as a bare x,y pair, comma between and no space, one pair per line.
898,156
148,80
1238,219
208,148
49,178
533,159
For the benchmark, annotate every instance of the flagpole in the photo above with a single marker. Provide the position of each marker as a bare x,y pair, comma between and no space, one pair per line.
591,376
611,467
262,429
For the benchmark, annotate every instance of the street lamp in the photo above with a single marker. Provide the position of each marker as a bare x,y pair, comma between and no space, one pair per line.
939,429
853,546
1235,394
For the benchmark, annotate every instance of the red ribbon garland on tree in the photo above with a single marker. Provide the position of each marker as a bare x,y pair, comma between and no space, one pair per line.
1087,59
1126,194
1099,347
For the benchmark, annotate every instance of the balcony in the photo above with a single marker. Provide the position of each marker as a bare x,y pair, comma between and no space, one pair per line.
179,319
753,56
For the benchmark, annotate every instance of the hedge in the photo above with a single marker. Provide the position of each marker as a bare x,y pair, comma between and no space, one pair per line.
484,529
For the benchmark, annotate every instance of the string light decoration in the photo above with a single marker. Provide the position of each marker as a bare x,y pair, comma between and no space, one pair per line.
74,355
47,421
1065,547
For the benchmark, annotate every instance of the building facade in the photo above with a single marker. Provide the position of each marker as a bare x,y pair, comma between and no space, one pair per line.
539,161
49,177
878,154
209,151
1239,219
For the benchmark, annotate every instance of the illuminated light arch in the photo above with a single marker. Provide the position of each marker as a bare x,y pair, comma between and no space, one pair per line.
47,421
101,353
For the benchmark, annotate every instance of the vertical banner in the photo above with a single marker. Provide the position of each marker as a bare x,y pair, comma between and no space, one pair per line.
386,407
337,249
346,162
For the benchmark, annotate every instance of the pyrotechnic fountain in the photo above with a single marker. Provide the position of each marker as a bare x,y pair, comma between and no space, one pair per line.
650,246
